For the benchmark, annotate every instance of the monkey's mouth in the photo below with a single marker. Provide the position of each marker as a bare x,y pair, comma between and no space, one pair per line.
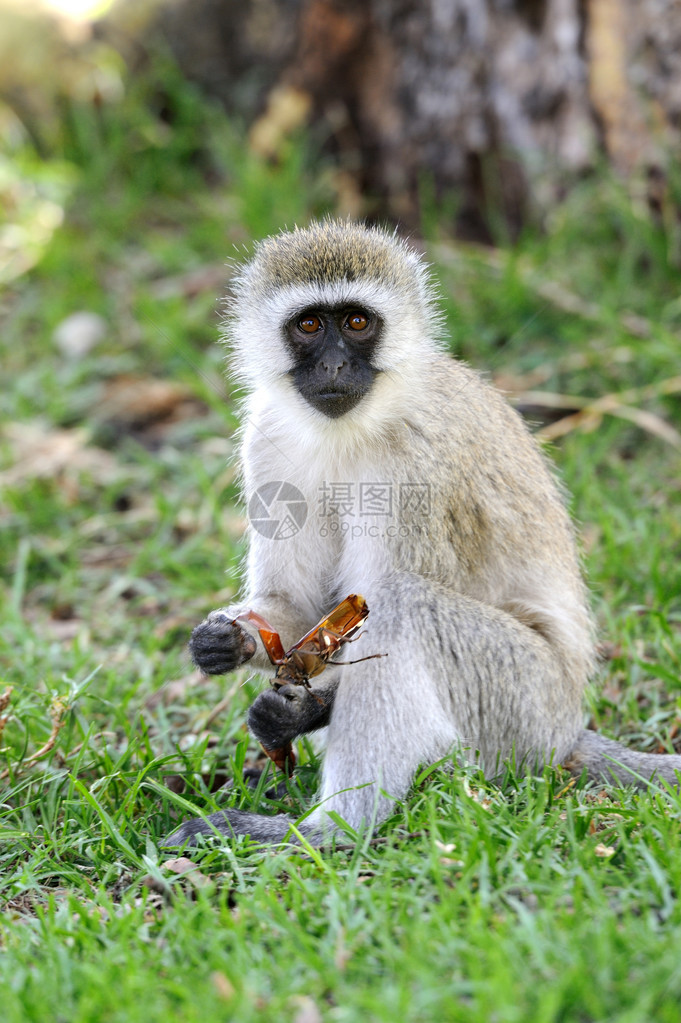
334,394
333,403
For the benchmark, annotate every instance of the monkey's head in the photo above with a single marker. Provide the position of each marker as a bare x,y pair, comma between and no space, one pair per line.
325,312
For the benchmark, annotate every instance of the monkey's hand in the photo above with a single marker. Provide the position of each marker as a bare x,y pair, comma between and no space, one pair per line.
219,644
278,715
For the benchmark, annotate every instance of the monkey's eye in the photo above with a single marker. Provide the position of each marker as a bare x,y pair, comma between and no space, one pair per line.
310,324
357,321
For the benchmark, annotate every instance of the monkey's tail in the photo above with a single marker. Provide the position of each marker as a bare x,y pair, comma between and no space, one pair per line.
605,760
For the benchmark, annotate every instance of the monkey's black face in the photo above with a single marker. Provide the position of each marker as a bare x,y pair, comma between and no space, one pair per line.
333,348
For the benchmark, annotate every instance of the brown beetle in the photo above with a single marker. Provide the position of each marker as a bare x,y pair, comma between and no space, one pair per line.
310,655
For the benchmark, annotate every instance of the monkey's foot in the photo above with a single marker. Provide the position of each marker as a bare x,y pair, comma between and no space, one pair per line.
233,823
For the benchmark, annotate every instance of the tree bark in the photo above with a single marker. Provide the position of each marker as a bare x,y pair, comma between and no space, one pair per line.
490,107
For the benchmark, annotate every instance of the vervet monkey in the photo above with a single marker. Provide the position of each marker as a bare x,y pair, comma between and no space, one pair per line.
462,548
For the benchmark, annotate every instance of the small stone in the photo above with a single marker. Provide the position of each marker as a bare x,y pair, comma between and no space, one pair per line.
79,333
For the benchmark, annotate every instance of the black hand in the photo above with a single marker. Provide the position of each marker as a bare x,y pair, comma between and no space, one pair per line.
219,645
278,716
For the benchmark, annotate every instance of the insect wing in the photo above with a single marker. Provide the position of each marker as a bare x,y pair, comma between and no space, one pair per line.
347,617
270,638
339,624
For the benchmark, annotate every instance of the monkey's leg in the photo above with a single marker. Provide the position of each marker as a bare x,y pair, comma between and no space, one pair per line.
458,671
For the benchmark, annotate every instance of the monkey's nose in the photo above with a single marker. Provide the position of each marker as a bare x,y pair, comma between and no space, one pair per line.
332,367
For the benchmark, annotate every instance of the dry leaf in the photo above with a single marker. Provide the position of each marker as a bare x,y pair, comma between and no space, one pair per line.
136,401
5,697
591,410
188,870
306,1010
175,691
58,710
41,452
210,278
283,758
222,985
4,703
287,109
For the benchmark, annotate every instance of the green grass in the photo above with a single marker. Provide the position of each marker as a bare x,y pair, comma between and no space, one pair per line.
534,900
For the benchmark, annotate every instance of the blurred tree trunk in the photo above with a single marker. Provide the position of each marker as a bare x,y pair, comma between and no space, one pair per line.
491,106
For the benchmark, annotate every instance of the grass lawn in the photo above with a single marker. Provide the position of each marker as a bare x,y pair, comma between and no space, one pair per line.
120,528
